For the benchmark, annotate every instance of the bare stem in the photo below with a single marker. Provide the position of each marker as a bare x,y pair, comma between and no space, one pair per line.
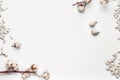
32,72
8,71
76,3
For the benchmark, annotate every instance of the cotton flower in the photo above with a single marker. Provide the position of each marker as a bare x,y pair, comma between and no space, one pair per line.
46,75
25,75
82,4
12,66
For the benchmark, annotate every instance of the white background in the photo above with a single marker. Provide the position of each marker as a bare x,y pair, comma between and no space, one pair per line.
57,38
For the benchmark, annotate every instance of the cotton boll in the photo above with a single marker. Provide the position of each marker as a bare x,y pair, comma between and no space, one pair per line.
103,2
94,32
81,8
46,75
92,23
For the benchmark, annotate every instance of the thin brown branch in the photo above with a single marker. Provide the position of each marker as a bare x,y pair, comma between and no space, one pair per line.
76,3
8,71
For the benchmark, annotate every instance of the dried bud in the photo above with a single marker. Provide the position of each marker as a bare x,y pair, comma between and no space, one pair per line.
3,54
46,75
34,67
107,62
17,45
88,1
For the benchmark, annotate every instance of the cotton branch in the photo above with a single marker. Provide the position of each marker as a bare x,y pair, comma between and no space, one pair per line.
13,68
